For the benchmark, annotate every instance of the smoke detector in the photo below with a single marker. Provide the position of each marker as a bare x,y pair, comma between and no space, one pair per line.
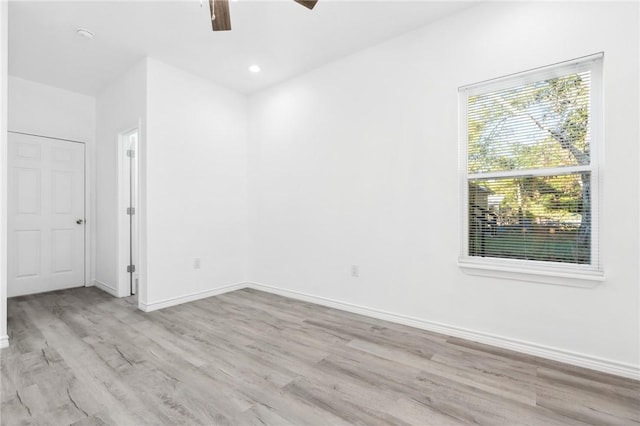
84,33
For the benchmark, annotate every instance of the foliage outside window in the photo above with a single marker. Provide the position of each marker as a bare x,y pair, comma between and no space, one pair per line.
530,168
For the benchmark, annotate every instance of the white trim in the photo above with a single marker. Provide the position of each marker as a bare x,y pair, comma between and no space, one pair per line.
534,275
530,76
597,160
161,304
4,341
106,288
141,212
90,228
569,357
521,173
533,269
4,59
463,201
122,219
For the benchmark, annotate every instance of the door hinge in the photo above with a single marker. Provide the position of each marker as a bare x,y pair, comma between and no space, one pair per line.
131,268
131,211
131,153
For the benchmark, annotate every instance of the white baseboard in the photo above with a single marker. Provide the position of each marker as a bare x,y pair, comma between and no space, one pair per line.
106,288
530,348
4,341
574,358
154,306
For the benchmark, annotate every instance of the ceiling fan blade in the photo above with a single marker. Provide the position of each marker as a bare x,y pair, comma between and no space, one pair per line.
220,17
309,4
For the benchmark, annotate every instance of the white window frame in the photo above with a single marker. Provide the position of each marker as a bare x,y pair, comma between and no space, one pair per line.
530,270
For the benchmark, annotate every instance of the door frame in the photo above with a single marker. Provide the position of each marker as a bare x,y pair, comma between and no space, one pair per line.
4,72
89,227
122,276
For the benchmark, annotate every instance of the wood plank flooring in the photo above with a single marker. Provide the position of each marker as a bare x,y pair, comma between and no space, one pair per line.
82,357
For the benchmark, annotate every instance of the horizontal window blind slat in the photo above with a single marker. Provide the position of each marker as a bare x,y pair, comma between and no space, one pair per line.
537,218
541,124
550,171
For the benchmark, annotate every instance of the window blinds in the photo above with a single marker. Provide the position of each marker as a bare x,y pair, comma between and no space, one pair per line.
528,169
539,125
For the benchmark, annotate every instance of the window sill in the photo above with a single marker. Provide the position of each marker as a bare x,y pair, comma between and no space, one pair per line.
586,279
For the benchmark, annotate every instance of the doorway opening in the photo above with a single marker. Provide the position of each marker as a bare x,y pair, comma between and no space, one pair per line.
128,213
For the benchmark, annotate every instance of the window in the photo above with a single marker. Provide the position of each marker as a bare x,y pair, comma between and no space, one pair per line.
530,154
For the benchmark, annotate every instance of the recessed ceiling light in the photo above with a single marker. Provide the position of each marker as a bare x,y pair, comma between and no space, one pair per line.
84,33
254,68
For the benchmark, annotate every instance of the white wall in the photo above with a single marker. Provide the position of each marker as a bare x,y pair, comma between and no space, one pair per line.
196,194
356,163
4,59
49,111
121,106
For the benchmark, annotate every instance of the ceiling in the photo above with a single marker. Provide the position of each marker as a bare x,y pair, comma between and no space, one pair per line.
284,38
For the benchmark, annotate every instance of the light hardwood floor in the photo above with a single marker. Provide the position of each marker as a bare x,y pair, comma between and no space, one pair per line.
250,358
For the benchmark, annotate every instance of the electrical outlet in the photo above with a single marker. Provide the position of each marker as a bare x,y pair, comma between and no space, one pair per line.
355,271
196,263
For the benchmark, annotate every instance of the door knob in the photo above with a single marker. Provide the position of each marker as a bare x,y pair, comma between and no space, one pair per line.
79,221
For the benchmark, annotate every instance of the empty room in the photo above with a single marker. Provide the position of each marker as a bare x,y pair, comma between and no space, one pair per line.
319,212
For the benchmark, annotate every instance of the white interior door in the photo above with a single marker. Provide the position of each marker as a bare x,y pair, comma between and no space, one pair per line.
46,224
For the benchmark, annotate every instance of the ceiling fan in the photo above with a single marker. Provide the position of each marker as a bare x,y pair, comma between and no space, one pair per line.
221,19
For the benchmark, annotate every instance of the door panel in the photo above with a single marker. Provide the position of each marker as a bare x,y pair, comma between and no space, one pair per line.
28,248
62,250
29,193
27,150
46,198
